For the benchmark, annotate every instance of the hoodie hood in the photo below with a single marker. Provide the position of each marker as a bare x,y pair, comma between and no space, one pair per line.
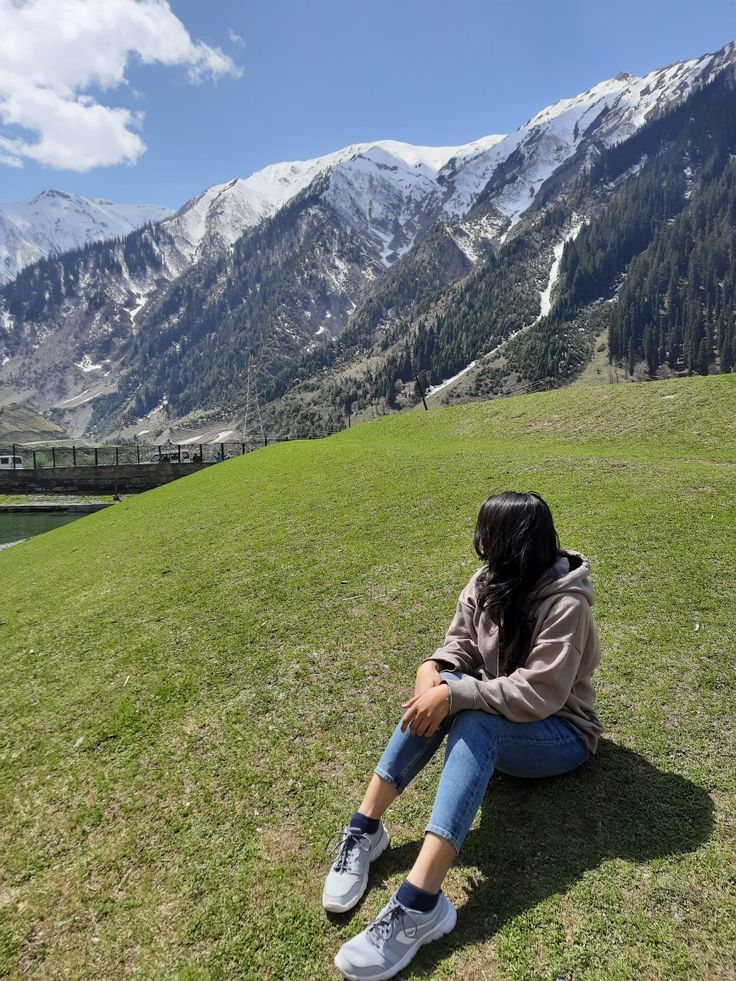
569,574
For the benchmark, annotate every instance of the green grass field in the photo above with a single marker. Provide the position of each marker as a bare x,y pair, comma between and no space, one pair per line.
196,684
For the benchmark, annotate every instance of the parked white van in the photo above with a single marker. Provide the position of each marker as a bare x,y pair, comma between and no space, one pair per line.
8,462
172,456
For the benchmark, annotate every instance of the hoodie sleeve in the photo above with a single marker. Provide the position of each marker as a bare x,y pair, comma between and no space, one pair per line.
460,650
542,686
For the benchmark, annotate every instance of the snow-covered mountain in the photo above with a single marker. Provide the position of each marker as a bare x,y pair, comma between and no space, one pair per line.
379,188
55,222
390,190
298,252
512,169
386,188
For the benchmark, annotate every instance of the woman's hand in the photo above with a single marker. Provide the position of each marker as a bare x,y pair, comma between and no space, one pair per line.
425,712
428,676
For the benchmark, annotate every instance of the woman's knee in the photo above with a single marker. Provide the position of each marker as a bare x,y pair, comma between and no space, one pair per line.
479,722
473,744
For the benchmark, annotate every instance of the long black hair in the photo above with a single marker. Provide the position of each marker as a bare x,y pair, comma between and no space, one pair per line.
516,538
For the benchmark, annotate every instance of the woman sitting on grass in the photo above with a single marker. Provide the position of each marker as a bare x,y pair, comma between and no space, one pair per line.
515,695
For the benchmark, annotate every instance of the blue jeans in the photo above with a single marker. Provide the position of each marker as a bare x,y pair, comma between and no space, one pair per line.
477,743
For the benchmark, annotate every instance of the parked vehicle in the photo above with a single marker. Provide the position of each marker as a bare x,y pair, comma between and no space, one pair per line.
10,462
172,456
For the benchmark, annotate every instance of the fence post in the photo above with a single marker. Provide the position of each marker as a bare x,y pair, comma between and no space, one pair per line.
96,458
222,451
53,457
74,455
201,454
265,440
178,450
34,459
138,452
13,456
242,449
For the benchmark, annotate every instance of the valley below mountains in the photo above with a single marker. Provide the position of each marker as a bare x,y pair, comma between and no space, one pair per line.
355,283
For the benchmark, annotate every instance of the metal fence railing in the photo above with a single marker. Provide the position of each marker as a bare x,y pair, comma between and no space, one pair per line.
23,456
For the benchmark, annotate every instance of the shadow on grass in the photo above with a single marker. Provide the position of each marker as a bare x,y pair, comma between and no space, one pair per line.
537,837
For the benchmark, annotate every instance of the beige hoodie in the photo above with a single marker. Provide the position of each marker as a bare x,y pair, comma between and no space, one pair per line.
555,678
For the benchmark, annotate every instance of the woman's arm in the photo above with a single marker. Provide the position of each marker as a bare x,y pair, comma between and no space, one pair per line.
428,676
542,686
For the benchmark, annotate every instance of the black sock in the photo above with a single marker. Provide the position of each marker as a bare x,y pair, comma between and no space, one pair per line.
363,823
415,898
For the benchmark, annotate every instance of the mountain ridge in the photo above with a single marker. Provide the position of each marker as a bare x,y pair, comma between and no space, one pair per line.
192,282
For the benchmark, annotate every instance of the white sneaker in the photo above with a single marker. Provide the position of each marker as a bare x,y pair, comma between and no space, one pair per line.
387,944
348,876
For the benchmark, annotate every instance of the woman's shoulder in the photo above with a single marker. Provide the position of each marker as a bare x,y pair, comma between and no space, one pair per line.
470,591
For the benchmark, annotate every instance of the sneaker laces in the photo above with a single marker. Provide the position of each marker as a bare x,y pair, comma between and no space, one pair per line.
382,928
347,848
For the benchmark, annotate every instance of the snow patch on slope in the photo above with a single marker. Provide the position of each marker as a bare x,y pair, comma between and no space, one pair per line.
545,297
433,389
86,364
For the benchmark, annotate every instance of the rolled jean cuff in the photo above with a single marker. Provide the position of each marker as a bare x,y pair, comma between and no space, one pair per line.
457,843
385,775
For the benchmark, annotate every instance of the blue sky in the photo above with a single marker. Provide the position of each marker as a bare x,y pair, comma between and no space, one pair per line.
281,79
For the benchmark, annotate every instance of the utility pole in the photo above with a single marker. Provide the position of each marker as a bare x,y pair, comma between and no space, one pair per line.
256,436
421,390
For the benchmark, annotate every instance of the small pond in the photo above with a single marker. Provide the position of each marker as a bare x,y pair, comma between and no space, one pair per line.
15,525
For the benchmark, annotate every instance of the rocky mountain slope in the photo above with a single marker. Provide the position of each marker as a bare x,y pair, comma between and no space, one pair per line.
346,275
19,425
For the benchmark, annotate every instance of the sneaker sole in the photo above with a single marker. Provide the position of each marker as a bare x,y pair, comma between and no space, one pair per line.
334,906
445,926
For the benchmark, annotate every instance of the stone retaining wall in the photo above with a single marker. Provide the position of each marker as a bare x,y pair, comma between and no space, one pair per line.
128,478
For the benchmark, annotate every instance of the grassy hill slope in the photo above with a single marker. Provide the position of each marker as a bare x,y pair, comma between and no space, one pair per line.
196,683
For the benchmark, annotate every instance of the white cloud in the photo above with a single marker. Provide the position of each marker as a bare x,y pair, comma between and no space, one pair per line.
53,51
235,37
